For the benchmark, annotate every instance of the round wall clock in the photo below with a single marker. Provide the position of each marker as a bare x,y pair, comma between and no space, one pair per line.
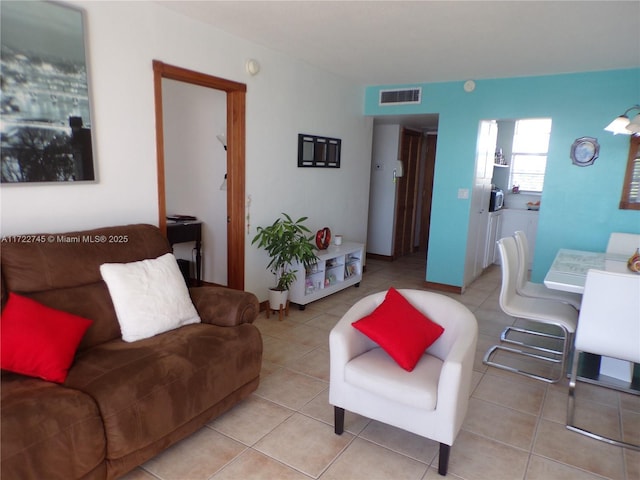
584,151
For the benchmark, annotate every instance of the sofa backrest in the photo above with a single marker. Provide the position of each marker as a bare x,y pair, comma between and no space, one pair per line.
62,270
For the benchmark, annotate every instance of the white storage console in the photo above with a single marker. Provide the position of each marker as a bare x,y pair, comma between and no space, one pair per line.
338,267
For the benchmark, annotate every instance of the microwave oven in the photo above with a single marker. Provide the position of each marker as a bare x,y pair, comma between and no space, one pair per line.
496,201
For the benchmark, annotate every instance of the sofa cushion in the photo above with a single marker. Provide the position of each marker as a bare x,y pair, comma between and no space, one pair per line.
150,296
74,258
375,371
143,388
49,431
89,301
37,340
63,271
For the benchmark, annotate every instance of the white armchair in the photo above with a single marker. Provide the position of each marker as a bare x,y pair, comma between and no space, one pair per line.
430,401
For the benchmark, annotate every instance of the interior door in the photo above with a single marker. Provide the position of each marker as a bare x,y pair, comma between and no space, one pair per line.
407,193
427,191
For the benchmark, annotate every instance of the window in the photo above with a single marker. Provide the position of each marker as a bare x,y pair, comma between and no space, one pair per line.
631,188
529,154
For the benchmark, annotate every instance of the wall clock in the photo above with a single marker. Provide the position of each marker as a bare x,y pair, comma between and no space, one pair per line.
584,151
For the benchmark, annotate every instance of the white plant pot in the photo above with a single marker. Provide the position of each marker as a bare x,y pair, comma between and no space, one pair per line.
277,298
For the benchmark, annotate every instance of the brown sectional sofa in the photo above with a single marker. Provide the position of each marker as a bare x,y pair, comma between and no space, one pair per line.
121,403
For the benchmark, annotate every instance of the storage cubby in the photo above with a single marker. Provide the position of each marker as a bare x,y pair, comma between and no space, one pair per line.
338,267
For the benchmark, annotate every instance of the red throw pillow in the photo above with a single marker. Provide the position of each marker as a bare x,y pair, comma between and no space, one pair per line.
37,340
400,329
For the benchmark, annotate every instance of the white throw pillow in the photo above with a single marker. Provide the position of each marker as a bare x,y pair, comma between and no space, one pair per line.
149,296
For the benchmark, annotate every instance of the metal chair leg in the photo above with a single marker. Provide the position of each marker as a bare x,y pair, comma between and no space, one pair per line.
571,412
504,337
567,342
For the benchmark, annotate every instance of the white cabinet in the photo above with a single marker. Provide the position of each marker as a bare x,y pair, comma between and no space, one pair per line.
495,224
524,220
338,267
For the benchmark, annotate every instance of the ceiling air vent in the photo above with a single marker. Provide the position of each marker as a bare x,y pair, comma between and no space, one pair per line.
404,96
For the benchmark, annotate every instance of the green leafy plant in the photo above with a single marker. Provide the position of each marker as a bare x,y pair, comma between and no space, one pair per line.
286,242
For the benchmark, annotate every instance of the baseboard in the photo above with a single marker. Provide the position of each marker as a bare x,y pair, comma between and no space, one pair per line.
443,287
375,256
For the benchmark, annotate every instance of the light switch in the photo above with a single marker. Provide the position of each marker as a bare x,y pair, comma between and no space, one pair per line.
463,193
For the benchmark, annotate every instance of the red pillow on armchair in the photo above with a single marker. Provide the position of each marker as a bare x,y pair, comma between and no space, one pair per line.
400,329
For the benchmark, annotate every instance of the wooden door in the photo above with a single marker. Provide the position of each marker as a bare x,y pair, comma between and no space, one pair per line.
407,193
427,191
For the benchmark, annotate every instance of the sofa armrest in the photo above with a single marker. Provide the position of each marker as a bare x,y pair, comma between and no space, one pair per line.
224,307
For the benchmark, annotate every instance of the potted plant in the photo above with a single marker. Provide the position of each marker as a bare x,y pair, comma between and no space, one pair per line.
286,242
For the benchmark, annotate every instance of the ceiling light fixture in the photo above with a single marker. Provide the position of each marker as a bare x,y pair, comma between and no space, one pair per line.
622,124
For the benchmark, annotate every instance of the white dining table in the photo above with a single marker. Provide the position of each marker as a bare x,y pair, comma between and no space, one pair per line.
569,269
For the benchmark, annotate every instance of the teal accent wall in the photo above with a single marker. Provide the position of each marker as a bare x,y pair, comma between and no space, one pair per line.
579,205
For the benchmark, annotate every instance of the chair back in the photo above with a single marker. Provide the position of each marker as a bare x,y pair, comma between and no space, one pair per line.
523,258
625,243
609,322
509,265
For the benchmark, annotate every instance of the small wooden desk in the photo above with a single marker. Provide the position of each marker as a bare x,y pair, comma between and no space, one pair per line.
187,231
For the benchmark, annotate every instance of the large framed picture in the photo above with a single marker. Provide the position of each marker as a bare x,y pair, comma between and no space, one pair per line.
46,114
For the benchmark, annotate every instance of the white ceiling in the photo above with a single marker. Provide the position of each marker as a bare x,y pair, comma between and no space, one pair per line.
389,42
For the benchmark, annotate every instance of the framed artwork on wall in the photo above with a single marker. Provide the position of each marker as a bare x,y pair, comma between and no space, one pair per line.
315,151
46,113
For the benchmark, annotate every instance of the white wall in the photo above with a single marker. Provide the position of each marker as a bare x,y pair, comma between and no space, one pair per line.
386,144
195,164
287,97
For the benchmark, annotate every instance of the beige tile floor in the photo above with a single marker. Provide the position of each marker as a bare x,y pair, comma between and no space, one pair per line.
514,428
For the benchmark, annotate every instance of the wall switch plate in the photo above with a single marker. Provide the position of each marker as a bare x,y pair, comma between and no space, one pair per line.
463,193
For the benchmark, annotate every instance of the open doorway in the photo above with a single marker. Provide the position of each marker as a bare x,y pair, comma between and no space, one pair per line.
195,163
400,205
235,136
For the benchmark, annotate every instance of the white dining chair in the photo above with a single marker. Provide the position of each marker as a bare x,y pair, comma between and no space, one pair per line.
527,288
609,325
431,400
533,345
623,243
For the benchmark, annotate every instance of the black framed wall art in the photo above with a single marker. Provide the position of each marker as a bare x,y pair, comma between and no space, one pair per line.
316,151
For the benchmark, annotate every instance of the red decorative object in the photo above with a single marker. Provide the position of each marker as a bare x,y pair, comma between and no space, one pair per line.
323,238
